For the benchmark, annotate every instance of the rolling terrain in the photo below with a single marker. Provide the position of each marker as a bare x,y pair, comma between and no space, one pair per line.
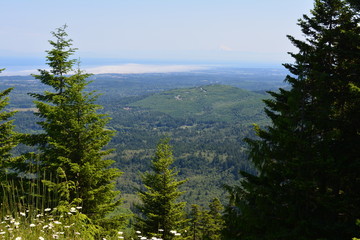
206,126
206,116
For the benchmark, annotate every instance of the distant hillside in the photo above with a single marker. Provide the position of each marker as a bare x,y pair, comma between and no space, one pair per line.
212,103
206,125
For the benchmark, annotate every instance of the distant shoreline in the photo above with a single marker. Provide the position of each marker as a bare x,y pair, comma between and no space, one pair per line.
18,66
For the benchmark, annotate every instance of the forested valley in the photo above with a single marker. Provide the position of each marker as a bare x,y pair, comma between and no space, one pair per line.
206,128
221,153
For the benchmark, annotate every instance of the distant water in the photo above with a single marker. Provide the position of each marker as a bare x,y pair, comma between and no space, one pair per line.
29,65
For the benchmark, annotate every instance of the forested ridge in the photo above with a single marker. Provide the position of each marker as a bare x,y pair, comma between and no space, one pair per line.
199,159
210,151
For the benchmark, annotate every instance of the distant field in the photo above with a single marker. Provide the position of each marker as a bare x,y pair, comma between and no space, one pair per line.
207,103
24,109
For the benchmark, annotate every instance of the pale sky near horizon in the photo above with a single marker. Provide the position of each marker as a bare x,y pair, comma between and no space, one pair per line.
192,30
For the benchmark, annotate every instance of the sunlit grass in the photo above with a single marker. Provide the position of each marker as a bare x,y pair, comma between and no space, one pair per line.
44,224
24,215
28,223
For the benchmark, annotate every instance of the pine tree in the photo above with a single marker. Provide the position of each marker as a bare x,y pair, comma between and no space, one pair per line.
8,140
355,4
308,160
206,224
215,223
196,224
72,158
7,136
159,208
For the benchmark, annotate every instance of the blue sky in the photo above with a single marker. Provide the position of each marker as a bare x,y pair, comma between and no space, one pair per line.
175,30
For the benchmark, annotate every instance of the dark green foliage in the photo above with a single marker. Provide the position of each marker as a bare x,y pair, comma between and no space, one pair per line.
308,160
355,4
195,222
8,139
215,224
160,208
206,224
73,164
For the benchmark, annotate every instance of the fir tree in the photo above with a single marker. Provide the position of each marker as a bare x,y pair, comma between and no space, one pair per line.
308,160
214,223
7,136
8,140
355,4
196,224
206,224
160,211
72,158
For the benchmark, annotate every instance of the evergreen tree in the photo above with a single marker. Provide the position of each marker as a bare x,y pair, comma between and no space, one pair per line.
214,223
72,160
196,224
206,224
159,208
8,138
308,160
355,4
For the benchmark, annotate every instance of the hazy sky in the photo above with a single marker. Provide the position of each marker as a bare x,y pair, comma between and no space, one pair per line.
178,30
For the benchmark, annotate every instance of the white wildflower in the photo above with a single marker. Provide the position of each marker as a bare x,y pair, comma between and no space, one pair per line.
2,233
41,238
22,214
18,238
32,225
57,222
47,209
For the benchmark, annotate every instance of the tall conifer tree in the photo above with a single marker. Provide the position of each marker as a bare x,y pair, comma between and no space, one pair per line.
206,224
8,140
7,136
159,208
309,159
72,158
196,224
